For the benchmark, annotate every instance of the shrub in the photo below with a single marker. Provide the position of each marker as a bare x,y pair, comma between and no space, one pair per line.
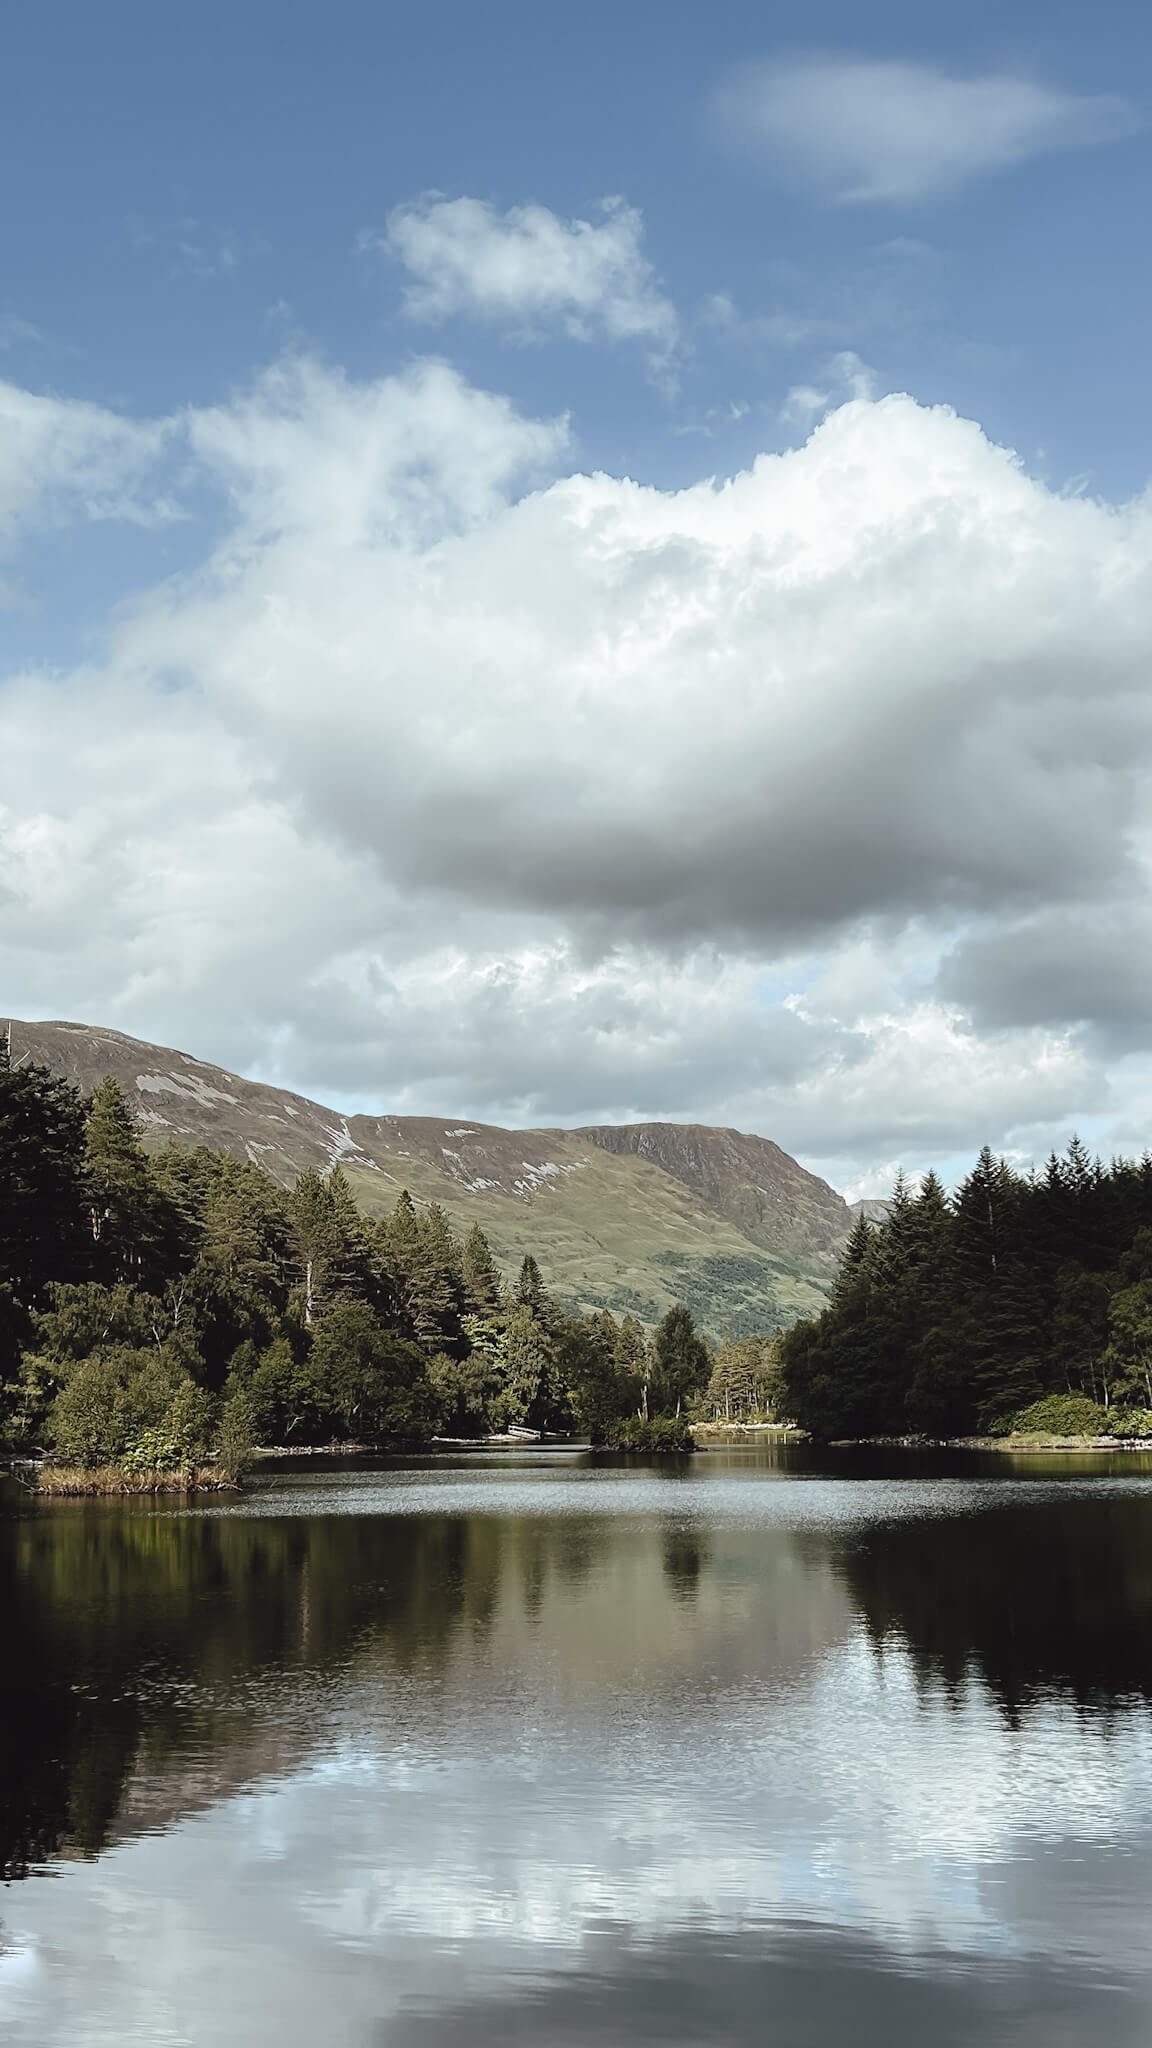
239,1432
1126,1422
1056,1415
85,1423
155,1450
660,1433
121,1399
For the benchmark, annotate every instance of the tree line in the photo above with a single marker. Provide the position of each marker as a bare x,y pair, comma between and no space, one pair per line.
1023,1301
155,1307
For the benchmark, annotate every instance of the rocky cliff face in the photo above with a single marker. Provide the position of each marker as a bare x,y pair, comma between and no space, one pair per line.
634,1216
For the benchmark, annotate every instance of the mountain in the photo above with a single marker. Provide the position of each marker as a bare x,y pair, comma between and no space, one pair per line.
631,1216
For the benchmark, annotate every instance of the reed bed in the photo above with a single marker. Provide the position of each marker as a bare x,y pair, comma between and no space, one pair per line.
79,1480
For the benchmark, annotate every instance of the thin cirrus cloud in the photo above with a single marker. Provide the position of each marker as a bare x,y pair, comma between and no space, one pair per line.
886,131
529,270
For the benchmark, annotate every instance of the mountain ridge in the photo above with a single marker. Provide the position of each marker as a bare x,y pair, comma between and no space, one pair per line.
622,1216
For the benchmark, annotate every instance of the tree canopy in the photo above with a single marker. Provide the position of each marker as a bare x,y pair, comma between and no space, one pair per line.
992,1308
178,1300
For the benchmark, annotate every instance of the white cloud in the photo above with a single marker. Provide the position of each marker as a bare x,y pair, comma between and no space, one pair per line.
63,457
844,376
405,458
527,269
883,130
600,800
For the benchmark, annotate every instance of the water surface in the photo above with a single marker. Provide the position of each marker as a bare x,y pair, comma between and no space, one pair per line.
550,1749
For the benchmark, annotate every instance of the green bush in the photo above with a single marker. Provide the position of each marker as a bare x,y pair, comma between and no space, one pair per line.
1126,1422
155,1450
1056,1415
123,1403
239,1432
660,1433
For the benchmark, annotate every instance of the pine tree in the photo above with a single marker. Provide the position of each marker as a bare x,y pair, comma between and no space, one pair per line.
634,1365
326,1243
125,1203
531,1387
424,1260
683,1364
435,1284
43,1210
483,1291
529,1285
599,1392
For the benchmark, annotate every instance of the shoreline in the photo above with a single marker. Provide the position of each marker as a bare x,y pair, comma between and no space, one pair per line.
42,1479
1070,1444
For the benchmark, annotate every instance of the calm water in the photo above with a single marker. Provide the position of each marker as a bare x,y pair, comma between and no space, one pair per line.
539,1749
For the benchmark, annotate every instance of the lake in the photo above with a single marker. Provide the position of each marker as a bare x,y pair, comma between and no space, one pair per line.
538,1747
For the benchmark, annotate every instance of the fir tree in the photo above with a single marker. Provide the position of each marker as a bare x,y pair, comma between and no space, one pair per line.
683,1365
43,1235
124,1200
483,1291
529,1285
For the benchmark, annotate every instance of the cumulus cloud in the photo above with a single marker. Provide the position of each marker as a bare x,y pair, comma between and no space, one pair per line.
882,130
451,782
62,457
528,270
844,375
404,459
882,675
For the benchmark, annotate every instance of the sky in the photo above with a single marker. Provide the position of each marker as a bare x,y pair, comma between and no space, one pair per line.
579,564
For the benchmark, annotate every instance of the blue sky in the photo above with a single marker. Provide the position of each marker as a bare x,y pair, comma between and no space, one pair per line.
187,185
234,234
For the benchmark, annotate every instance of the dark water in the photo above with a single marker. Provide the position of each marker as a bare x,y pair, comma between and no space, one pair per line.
543,1750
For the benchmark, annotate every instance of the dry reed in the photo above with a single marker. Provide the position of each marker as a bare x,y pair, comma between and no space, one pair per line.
78,1480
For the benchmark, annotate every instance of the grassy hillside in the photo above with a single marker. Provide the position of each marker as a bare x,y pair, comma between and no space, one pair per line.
628,1218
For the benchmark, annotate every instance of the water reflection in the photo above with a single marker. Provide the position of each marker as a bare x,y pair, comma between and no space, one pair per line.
553,1751
1036,1601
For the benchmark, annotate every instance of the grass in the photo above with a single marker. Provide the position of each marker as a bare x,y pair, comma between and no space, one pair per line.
85,1481
619,1233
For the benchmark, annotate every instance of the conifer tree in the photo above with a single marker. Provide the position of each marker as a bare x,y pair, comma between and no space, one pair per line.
529,1285
43,1222
435,1284
483,1290
124,1200
634,1364
683,1365
325,1249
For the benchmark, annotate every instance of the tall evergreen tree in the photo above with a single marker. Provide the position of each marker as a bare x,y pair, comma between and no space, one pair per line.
683,1364
126,1206
435,1284
329,1244
43,1219
483,1290
529,1285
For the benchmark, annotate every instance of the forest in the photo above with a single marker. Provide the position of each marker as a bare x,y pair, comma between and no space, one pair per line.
156,1310
1022,1303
